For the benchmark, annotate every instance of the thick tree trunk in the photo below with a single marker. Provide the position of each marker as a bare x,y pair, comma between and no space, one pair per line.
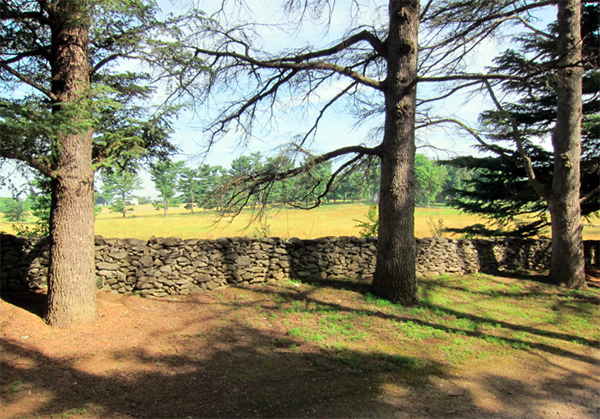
71,275
567,260
395,275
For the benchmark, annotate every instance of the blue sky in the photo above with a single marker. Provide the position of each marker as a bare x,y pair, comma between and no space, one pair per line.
337,127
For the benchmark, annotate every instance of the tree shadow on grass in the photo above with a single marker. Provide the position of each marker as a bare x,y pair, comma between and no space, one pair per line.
306,297
241,371
238,372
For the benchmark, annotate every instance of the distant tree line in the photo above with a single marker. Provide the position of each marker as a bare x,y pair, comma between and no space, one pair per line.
200,187
208,187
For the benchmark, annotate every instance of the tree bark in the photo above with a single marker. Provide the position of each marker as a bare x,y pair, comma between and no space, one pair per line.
567,259
395,272
71,275
124,200
191,200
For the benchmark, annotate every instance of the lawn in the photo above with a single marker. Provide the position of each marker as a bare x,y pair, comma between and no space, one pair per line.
477,346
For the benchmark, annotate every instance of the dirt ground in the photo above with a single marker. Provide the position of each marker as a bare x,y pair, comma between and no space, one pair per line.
220,355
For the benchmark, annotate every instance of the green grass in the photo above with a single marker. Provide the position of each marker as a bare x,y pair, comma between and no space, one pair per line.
459,319
15,387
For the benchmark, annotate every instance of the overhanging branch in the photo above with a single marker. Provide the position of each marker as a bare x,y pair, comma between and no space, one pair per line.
535,184
287,64
478,77
28,81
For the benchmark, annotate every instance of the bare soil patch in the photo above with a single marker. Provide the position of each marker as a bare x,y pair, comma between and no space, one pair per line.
299,350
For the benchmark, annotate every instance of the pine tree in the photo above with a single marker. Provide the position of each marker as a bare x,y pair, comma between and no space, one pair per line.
68,109
499,190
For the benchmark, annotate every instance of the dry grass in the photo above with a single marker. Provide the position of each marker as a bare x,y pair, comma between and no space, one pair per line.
330,220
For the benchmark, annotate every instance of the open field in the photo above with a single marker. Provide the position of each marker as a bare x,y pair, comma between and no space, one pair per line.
478,346
329,220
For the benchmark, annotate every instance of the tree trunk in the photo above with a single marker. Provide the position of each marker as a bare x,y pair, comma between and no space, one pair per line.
567,260
124,200
166,206
71,274
395,275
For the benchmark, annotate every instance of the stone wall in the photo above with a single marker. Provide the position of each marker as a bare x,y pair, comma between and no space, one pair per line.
164,266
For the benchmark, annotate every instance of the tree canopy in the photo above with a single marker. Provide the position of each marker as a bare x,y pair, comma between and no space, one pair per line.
500,189
69,106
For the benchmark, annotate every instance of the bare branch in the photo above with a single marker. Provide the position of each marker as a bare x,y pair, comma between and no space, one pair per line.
221,123
28,81
448,94
533,28
334,175
479,77
290,63
323,109
491,147
590,195
364,35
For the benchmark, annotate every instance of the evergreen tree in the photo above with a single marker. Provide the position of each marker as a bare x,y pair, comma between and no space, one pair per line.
165,175
211,178
118,186
16,210
68,109
500,190
190,187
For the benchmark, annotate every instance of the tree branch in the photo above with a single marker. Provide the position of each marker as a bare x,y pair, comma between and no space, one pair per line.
364,35
448,94
590,195
475,134
332,178
535,184
286,64
479,77
31,161
28,81
253,101
323,109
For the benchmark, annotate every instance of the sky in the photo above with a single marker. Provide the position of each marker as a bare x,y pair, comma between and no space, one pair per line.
337,127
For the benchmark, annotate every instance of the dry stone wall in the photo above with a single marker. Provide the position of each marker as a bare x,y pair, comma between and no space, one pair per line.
165,266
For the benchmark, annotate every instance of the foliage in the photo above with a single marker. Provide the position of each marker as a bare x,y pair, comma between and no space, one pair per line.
126,127
436,227
499,189
15,210
40,197
370,227
118,187
68,107
429,179
165,175
189,185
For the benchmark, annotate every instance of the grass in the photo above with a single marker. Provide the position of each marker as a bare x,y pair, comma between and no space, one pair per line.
316,345
145,222
459,319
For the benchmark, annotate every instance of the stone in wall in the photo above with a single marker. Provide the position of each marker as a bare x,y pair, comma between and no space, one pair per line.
171,266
